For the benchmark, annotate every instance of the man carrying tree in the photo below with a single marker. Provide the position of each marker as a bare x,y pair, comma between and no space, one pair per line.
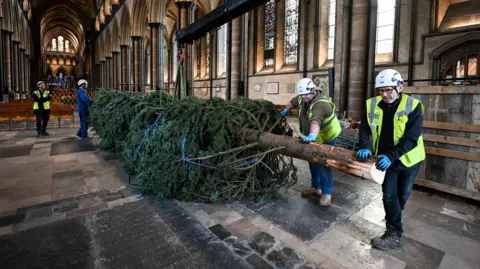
394,122
41,108
319,124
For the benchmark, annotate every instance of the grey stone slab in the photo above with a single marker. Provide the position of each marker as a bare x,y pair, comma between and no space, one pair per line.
261,242
454,225
418,255
26,134
65,207
361,229
37,213
66,183
452,262
12,219
220,231
63,244
71,146
304,218
15,151
285,258
110,157
258,263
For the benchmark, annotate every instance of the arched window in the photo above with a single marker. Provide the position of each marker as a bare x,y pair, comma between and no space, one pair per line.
270,22
60,44
331,28
166,62
174,60
67,46
209,37
385,26
462,69
54,44
222,51
291,31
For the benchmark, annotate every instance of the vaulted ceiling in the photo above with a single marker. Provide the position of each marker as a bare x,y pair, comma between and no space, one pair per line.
68,18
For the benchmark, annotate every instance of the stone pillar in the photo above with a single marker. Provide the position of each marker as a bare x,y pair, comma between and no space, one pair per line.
21,72
110,72
2,61
8,60
236,57
280,35
27,74
124,60
259,62
102,74
358,59
372,38
15,65
138,58
157,55
115,65
183,8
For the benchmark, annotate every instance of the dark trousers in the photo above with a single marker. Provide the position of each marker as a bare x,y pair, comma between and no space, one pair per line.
396,188
42,119
82,132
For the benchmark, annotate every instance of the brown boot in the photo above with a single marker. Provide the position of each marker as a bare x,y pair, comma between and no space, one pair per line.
311,191
325,200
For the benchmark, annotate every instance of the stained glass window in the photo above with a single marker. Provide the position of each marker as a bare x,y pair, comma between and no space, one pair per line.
54,44
208,53
331,28
291,31
270,21
174,60
67,46
222,50
385,26
60,43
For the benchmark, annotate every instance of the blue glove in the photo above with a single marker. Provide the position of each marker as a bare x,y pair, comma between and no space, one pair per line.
363,155
383,162
310,138
284,112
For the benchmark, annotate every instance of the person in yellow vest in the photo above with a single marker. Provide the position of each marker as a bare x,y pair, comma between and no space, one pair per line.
41,108
394,122
319,124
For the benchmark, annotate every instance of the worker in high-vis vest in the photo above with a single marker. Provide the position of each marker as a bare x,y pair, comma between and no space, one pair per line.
41,108
318,123
391,130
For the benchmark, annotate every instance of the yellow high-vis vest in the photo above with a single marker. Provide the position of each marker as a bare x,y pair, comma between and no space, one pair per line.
46,105
375,117
330,127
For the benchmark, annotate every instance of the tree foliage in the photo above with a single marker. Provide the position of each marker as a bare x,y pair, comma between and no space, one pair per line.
193,149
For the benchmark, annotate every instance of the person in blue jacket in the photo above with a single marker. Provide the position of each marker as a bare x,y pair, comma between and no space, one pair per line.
83,102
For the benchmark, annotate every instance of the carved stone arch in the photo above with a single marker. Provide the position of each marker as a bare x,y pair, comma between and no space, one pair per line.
125,26
139,18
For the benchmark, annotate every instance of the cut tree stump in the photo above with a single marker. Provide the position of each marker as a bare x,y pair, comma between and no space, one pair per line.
335,157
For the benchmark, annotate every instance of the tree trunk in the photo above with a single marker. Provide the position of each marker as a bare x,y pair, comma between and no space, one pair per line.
335,157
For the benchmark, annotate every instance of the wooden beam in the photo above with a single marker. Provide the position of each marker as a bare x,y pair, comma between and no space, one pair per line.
469,194
468,142
443,90
453,154
473,128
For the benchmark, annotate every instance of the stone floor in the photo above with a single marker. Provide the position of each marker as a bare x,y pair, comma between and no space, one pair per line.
66,204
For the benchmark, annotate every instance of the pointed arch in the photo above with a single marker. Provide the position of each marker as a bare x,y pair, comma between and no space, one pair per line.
16,23
158,10
7,19
108,42
140,17
125,26
115,35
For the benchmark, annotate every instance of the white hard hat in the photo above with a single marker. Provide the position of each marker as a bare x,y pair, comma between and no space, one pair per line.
305,86
82,81
388,78
39,82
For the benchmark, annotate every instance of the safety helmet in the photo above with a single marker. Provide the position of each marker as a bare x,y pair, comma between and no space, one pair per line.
81,82
39,82
305,86
388,78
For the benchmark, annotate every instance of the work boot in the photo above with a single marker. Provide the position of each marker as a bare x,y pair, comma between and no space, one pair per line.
39,134
325,199
311,191
389,240
45,133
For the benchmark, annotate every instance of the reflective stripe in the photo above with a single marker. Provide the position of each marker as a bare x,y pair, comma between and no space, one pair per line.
326,124
408,108
372,114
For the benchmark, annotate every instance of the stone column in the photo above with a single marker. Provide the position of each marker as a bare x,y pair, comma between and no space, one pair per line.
115,64
372,38
280,35
27,74
236,58
102,74
138,58
8,60
21,71
183,7
15,65
124,60
2,61
157,55
110,73
259,62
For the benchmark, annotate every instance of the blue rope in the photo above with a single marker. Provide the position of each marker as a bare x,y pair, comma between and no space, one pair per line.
187,159
152,127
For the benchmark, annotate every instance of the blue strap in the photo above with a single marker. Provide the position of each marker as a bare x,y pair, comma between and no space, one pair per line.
187,159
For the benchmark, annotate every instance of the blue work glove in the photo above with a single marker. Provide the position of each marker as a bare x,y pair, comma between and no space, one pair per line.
310,138
383,162
284,112
363,155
